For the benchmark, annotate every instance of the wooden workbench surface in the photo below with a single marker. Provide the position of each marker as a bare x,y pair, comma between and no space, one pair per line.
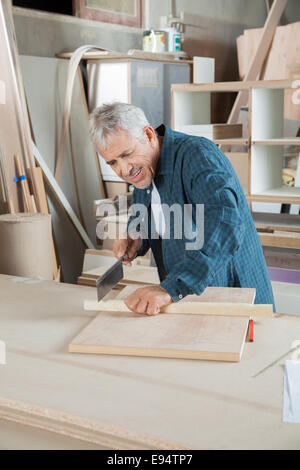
130,402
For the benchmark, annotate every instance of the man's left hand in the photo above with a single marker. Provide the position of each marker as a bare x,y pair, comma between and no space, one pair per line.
148,300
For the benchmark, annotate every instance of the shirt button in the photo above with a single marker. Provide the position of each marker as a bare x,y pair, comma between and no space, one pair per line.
180,296
148,191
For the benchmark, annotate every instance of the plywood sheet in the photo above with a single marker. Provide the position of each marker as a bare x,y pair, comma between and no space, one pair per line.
171,336
225,301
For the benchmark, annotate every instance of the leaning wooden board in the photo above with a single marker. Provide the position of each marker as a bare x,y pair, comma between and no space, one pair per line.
222,301
170,336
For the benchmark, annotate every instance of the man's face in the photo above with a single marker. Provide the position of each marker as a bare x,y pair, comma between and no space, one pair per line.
132,160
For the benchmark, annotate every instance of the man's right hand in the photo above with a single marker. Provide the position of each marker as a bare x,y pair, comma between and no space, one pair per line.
127,245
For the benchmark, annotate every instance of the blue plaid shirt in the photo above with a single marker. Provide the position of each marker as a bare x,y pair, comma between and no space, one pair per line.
193,170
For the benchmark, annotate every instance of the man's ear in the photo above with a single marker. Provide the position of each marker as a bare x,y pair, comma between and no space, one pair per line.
150,135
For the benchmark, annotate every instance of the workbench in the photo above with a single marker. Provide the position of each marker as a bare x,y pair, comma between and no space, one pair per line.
50,398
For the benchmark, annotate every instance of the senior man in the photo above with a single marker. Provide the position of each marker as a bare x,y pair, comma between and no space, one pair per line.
168,168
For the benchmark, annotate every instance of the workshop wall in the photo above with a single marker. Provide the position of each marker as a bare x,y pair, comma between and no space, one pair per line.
46,34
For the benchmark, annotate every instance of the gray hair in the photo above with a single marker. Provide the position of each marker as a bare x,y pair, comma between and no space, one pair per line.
107,118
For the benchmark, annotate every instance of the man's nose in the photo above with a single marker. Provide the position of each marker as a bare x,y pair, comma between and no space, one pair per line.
125,168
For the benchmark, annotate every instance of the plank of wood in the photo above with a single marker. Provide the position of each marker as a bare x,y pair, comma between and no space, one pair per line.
73,67
96,158
231,86
260,54
5,197
281,141
227,131
280,239
239,161
86,281
281,258
14,120
29,207
283,51
61,198
169,336
238,141
221,301
11,112
213,37
282,199
138,55
132,274
45,210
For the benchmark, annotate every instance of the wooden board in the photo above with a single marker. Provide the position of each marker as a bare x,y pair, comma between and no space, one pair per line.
239,161
280,239
284,51
14,124
61,198
132,274
261,52
222,301
170,336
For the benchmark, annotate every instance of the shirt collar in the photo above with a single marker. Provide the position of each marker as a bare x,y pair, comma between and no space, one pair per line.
165,162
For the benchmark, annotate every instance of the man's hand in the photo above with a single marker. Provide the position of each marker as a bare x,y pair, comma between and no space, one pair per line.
148,300
128,244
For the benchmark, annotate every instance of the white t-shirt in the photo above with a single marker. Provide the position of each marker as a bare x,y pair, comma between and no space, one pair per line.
157,212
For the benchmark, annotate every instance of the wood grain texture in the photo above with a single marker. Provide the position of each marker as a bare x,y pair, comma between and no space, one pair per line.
170,336
221,301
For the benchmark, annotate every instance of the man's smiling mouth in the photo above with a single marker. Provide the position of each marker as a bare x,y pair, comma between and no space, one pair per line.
135,175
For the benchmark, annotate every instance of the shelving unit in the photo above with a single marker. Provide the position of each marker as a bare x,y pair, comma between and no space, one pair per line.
191,105
234,141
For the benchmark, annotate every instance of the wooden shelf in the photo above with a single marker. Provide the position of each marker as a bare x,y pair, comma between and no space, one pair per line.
136,55
276,222
282,194
261,167
281,141
232,86
280,239
234,141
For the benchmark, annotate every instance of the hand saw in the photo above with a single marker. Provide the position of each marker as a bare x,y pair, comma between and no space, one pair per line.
110,278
